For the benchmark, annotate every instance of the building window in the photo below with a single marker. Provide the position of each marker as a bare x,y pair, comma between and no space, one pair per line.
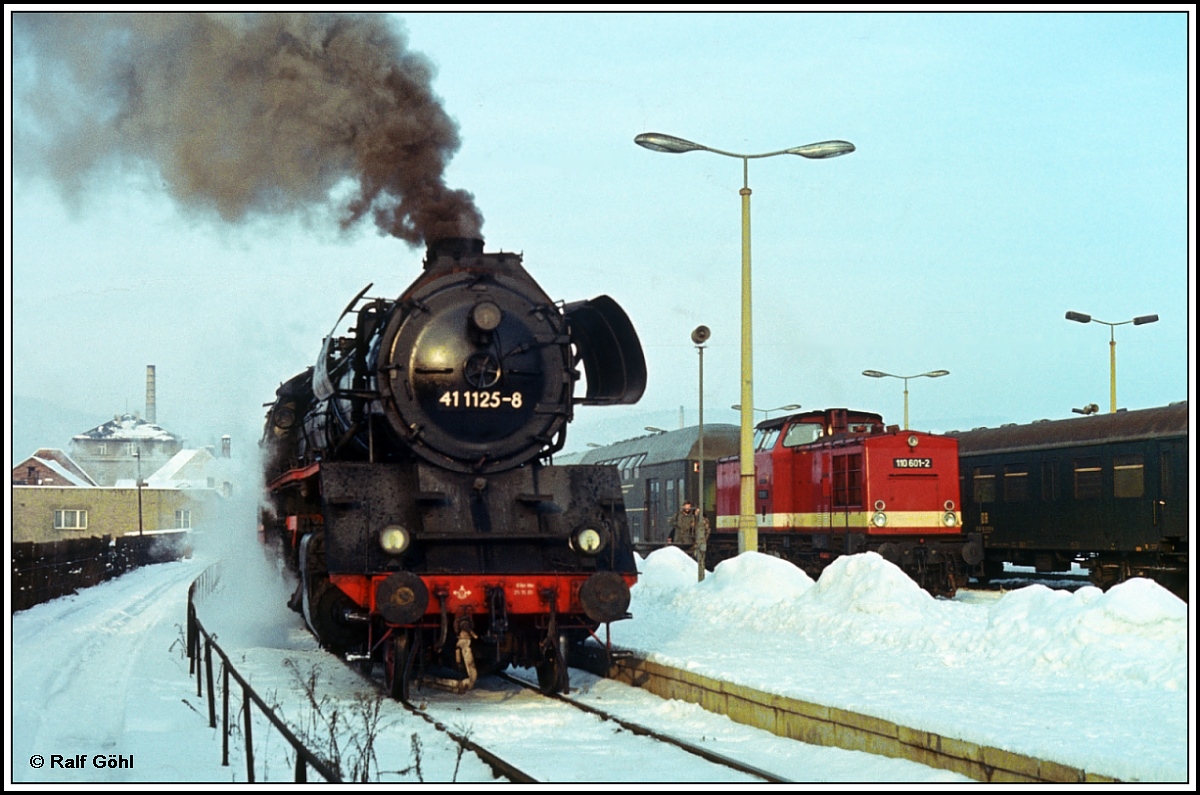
183,520
1016,483
102,449
1088,475
1128,476
70,520
133,448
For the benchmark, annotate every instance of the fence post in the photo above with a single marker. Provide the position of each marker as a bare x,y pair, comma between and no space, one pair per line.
249,736
225,714
212,706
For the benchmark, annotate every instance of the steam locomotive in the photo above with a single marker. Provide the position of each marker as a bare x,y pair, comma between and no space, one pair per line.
411,484
837,482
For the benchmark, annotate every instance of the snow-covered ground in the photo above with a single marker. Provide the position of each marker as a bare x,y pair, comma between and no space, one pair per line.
1090,679
1094,680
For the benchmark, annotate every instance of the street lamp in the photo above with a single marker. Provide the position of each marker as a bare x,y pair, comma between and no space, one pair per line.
767,412
658,142
930,374
700,335
137,454
1079,317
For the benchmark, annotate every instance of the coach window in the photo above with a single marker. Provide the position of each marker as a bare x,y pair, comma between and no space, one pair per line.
1088,478
1128,476
1049,484
1164,473
802,433
1016,483
985,484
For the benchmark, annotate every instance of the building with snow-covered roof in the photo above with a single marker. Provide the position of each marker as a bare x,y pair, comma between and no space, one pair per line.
125,447
50,467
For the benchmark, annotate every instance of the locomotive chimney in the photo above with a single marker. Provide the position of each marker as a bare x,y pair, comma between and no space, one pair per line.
151,408
453,247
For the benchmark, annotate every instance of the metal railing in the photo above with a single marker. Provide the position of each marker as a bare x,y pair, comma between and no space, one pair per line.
201,665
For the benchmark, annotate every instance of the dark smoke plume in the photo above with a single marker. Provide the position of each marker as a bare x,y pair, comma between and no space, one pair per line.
244,114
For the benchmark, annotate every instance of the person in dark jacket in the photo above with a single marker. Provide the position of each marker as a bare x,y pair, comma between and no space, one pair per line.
689,530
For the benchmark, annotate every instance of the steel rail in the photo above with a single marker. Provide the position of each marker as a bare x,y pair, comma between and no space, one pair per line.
643,731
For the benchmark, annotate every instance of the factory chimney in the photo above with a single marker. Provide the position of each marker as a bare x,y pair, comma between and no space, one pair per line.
151,408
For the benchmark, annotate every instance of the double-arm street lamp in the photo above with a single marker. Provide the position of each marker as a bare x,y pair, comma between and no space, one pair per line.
930,374
767,412
1079,317
658,142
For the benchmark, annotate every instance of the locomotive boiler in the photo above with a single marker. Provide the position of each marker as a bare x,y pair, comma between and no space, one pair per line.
411,483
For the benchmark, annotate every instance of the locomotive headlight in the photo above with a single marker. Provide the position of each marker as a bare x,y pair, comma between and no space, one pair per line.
486,316
912,441
587,541
949,519
393,539
879,519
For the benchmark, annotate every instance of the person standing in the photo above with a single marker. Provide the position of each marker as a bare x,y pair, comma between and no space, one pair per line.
689,532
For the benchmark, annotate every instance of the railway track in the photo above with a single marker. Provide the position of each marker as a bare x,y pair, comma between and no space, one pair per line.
530,737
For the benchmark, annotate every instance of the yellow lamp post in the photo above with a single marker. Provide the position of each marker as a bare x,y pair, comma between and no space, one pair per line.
658,142
1079,317
930,374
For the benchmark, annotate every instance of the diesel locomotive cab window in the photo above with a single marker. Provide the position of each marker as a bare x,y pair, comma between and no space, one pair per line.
803,433
1088,478
1016,483
1128,476
985,484
765,440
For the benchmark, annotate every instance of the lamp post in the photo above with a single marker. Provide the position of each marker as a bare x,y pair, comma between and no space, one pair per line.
137,454
1079,317
658,142
930,374
700,335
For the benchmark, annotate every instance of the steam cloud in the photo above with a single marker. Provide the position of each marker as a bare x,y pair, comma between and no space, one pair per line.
245,114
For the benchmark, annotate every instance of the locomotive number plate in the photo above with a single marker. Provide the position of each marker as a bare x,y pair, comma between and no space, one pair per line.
480,399
912,463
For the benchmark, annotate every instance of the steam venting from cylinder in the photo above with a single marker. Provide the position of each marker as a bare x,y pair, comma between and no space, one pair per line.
243,114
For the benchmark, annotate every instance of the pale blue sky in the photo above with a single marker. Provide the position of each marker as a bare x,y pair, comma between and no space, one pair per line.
1010,167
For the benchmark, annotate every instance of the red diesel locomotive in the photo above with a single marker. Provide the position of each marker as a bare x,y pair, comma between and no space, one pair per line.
410,483
838,482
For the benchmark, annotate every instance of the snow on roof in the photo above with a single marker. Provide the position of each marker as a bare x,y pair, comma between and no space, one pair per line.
187,468
128,427
51,454
62,471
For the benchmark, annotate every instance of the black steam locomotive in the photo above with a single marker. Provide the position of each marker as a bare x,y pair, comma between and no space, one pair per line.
410,478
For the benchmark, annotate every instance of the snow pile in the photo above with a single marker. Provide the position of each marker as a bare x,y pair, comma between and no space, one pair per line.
1137,630
1019,671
